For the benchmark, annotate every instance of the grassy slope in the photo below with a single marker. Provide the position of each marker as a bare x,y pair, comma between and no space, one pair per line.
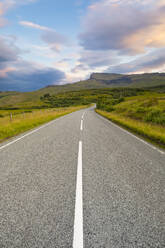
145,115
97,80
22,123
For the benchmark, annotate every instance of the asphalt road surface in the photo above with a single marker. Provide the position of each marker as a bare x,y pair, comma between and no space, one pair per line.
81,181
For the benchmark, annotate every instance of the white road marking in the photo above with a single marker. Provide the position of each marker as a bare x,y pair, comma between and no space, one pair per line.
81,126
146,143
78,221
83,115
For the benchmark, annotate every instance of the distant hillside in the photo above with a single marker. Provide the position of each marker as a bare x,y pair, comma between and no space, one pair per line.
96,81
134,80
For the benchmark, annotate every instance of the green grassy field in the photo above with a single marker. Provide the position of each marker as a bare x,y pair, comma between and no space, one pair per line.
22,122
143,114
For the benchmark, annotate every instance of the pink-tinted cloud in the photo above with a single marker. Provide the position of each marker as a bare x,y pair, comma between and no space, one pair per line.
127,26
4,72
34,25
116,31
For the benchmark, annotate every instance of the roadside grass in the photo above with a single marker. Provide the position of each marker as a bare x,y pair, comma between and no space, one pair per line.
144,114
22,122
147,108
154,133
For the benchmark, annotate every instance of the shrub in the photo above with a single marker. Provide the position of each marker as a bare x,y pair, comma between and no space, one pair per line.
141,110
109,108
155,116
28,111
47,95
151,102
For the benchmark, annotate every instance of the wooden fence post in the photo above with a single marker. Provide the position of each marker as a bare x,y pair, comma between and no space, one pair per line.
11,117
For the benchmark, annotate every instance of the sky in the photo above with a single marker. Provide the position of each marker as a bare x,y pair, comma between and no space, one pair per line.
52,42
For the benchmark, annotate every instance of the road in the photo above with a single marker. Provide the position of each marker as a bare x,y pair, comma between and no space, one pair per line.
81,181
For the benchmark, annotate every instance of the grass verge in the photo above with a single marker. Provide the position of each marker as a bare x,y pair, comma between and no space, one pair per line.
26,121
153,133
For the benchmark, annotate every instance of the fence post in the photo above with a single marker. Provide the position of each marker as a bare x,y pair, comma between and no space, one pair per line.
11,117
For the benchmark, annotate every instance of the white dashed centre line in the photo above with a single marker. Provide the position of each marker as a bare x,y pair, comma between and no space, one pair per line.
83,116
81,126
78,221
82,120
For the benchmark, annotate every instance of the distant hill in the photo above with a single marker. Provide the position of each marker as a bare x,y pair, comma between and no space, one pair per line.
134,80
96,81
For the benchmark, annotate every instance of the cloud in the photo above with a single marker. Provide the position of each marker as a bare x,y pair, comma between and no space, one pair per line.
98,58
5,5
152,62
4,71
8,52
53,39
79,68
18,80
15,72
3,9
18,74
123,36
34,25
127,26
